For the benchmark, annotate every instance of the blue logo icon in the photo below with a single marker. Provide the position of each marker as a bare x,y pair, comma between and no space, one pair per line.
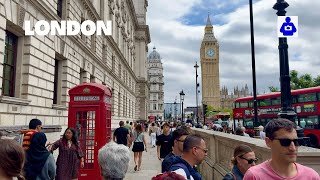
287,26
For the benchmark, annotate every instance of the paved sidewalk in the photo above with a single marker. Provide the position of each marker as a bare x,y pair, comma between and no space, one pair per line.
150,165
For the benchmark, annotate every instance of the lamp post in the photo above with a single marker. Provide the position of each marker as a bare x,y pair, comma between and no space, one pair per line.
175,110
286,104
255,105
197,113
182,99
286,109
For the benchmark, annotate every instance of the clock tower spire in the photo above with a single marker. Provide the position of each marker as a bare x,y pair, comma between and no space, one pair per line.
209,58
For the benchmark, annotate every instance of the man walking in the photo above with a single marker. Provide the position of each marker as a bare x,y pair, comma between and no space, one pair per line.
194,152
179,135
164,142
121,134
35,125
282,139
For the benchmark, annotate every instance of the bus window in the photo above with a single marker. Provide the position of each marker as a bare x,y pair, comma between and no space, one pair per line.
318,94
244,104
294,99
307,97
309,122
250,103
237,105
276,101
248,123
264,102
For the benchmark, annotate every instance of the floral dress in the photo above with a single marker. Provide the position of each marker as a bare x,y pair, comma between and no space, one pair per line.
68,160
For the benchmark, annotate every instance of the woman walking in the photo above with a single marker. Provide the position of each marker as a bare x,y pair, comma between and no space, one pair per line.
70,156
139,145
243,158
40,162
152,133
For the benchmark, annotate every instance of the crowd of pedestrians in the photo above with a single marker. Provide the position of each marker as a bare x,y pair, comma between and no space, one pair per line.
179,150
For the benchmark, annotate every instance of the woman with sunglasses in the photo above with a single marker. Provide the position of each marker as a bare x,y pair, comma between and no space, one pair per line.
243,158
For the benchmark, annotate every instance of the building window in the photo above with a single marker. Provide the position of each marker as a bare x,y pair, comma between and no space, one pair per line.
119,105
113,62
92,79
59,8
93,42
154,106
112,102
55,82
9,65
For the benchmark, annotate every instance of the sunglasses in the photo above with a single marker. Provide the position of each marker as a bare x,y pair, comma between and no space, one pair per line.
180,140
204,150
287,142
250,161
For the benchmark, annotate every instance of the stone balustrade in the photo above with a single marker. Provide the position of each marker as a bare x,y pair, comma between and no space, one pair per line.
221,146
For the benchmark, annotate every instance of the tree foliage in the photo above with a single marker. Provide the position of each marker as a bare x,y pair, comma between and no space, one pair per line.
303,81
274,89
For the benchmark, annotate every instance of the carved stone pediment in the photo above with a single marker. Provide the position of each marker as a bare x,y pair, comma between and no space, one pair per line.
21,11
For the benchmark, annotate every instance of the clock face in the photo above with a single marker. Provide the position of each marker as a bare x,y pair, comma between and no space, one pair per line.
210,52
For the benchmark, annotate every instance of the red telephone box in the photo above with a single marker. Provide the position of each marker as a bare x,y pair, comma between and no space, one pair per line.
90,116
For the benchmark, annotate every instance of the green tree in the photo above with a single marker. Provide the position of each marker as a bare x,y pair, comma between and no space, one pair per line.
317,81
303,81
273,89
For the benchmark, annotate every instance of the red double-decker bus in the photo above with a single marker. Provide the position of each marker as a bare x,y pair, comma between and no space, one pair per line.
306,103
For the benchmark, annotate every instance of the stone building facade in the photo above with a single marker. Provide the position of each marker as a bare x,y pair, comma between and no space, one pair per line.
156,93
36,72
209,55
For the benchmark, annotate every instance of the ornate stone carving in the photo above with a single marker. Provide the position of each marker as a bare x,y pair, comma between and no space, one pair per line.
21,13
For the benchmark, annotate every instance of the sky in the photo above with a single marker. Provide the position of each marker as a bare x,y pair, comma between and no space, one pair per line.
177,29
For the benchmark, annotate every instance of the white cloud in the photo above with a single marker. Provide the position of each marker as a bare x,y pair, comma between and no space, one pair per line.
179,44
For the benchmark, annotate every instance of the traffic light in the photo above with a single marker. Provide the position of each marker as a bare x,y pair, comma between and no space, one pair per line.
204,110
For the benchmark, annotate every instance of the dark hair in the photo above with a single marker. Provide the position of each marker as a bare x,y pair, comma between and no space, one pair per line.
153,124
277,124
138,128
127,122
130,123
12,158
180,131
190,142
121,123
34,123
240,151
73,138
239,131
166,124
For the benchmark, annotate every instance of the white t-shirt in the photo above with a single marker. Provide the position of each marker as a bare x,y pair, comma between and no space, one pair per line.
182,173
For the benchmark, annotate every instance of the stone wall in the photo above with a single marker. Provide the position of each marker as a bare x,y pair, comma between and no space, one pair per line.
221,146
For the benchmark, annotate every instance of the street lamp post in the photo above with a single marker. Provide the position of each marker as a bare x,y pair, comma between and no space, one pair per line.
182,99
255,105
175,110
197,113
286,109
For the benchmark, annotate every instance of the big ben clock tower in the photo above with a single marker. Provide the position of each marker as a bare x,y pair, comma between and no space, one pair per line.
209,55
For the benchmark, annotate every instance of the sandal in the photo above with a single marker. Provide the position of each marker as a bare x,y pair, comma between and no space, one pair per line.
135,168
